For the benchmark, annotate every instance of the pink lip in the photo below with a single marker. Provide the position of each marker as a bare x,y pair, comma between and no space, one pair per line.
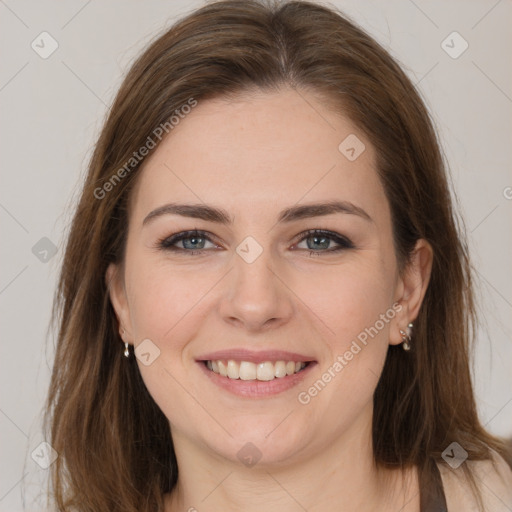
242,354
256,388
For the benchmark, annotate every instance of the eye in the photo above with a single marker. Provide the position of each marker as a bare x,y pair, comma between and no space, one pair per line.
321,240
193,242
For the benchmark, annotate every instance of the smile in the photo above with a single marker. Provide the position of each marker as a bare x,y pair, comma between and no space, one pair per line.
247,370
255,373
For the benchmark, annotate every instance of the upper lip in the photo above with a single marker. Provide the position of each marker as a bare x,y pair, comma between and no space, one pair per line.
242,354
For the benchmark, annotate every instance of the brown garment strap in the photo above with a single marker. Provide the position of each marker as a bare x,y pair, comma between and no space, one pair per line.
432,497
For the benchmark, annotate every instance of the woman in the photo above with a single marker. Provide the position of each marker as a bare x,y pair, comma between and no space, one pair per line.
265,302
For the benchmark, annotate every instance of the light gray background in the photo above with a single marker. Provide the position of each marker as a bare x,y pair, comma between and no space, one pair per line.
52,110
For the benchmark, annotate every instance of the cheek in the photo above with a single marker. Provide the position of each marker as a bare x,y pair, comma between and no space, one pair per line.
161,297
354,303
347,298
166,307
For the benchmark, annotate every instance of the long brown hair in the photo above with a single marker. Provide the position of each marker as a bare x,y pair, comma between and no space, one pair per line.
114,443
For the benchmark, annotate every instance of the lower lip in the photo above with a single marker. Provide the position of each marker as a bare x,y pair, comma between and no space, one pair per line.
257,388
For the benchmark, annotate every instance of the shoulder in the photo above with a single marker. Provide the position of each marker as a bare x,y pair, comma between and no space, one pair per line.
493,478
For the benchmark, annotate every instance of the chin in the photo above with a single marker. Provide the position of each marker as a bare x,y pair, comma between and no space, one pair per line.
261,440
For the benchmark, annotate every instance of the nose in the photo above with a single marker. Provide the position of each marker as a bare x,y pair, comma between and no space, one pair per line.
256,296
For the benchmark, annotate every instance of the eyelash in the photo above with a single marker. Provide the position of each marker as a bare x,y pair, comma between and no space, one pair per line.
167,243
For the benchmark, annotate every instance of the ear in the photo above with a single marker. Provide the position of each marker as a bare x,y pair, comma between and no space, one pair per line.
117,293
411,288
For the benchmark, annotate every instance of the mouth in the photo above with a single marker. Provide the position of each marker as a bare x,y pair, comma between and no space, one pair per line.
264,371
255,374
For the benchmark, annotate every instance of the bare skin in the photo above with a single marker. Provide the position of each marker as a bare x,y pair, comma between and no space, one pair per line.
254,157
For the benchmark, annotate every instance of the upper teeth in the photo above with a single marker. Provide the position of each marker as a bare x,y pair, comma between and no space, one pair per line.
245,370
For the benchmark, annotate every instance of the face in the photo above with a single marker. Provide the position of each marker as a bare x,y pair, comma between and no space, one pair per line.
269,287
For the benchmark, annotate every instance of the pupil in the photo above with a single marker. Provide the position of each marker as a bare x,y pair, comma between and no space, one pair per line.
326,241
193,241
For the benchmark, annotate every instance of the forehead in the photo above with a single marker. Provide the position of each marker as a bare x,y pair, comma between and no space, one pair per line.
263,152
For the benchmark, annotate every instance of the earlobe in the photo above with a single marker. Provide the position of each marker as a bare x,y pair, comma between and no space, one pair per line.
412,288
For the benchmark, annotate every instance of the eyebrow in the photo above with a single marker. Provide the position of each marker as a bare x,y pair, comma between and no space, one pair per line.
220,216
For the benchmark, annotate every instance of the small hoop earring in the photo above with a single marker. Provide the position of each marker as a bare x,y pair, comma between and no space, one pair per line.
406,338
126,351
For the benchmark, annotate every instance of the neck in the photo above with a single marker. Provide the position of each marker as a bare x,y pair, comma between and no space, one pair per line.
342,476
